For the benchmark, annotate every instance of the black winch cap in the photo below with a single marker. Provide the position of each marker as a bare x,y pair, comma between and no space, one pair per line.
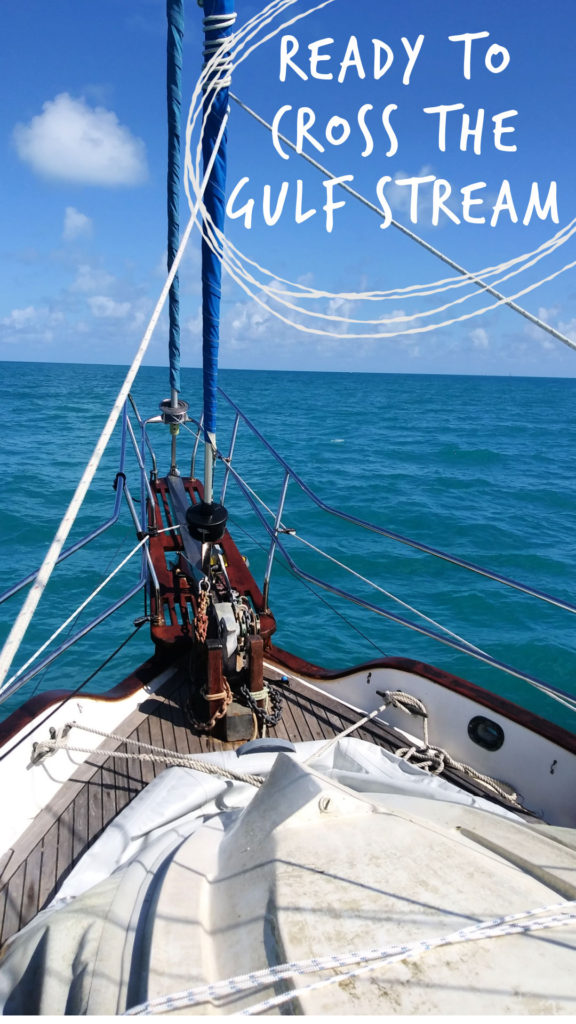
207,522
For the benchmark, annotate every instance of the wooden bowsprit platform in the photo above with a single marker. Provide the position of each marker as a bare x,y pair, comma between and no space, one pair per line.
174,552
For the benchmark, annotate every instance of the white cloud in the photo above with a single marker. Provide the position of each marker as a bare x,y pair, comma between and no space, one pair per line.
76,225
71,141
568,327
30,323
400,196
479,337
91,279
106,308
20,318
555,318
250,320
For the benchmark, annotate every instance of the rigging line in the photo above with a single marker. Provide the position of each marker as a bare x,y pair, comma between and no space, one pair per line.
553,915
230,255
24,617
398,537
386,593
353,572
74,615
409,953
73,693
239,260
211,233
555,693
249,31
416,238
42,675
319,597
237,40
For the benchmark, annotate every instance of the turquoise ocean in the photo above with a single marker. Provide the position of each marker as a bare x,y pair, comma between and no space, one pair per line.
481,467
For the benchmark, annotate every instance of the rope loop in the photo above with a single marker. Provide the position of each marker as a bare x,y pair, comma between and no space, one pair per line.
221,63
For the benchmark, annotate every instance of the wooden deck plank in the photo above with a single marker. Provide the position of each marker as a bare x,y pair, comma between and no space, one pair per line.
12,917
136,768
307,727
121,780
94,786
108,795
156,736
31,887
81,824
64,849
48,875
169,741
291,724
142,734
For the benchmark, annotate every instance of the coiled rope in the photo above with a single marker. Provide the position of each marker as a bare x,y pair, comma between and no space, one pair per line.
429,757
434,759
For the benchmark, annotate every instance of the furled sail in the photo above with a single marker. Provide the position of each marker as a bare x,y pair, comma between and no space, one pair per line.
219,18
175,17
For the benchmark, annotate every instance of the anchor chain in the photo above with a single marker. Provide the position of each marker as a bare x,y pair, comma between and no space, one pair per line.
225,697
276,701
201,620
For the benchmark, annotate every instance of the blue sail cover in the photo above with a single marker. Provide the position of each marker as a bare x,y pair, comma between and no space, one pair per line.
215,201
175,16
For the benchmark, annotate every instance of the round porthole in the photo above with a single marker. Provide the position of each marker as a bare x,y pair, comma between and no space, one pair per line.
485,733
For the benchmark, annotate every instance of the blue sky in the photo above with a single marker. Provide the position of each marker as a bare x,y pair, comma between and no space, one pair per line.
83,168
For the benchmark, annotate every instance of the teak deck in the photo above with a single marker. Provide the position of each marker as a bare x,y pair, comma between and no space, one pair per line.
39,862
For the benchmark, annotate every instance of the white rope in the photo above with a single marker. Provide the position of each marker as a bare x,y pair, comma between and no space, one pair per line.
411,291
429,758
554,916
71,617
496,930
346,732
471,649
229,254
231,257
425,329
159,755
24,617
221,68
9,682
278,296
414,290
